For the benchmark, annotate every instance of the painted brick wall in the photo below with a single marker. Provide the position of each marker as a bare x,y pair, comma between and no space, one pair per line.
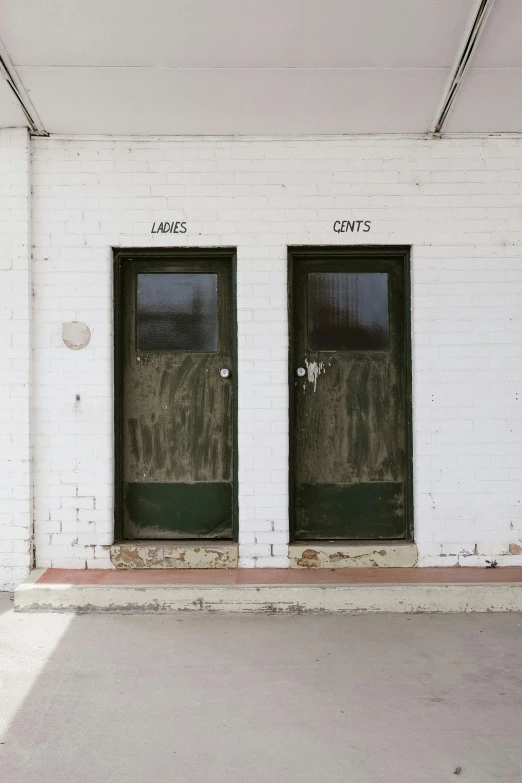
456,201
15,311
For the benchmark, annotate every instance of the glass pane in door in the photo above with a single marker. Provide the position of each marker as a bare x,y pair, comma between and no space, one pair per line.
177,312
348,311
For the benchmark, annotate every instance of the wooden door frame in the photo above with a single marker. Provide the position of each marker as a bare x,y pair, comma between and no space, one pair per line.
120,256
350,252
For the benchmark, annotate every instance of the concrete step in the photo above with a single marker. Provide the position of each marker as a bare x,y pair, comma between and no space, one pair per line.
273,590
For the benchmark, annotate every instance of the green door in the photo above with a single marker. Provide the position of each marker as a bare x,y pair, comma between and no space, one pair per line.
176,396
350,383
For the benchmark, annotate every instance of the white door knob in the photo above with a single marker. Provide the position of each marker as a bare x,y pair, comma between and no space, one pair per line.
224,373
301,372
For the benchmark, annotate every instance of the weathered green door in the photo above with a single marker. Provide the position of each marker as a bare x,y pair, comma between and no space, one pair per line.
176,396
351,394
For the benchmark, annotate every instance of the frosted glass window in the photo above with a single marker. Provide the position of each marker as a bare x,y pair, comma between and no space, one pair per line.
348,311
177,312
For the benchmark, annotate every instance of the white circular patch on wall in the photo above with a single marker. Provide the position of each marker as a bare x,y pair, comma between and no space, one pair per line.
76,335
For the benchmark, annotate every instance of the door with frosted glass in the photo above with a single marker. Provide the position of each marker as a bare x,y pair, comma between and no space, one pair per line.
350,394
176,419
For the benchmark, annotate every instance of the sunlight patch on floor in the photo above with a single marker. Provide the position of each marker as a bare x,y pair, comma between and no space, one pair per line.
25,648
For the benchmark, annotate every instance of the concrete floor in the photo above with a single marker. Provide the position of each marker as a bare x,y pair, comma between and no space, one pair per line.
245,699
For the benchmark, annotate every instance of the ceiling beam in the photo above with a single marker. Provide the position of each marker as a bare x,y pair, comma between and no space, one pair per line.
13,80
468,44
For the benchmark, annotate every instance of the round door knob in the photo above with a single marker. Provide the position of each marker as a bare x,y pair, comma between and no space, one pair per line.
224,373
301,372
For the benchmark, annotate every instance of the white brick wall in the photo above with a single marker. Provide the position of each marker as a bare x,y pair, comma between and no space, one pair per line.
15,311
456,201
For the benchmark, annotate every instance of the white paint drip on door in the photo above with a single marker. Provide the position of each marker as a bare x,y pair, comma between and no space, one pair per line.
314,370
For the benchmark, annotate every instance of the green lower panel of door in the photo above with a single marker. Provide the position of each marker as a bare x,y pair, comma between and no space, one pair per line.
155,510
350,511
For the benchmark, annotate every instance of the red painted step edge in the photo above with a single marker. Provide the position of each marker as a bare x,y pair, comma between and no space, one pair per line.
279,576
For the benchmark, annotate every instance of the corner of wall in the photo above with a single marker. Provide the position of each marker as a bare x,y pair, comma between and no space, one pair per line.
16,517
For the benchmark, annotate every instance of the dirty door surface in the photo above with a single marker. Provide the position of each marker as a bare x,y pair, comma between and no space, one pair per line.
177,409
351,404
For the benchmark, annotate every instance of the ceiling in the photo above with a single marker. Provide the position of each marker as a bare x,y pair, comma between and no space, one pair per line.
257,67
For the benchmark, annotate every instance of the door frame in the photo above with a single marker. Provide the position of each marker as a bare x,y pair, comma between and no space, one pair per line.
120,256
365,252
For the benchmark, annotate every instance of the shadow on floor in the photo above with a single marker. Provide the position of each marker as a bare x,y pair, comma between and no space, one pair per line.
6,602
204,698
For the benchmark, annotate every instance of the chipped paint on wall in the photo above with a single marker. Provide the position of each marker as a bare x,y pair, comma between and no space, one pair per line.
76,335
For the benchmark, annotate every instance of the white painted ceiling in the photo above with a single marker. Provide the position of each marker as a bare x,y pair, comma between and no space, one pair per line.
491,95
259,66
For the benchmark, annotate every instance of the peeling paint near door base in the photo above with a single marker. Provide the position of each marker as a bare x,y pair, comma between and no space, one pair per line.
142,554
309,559
353,555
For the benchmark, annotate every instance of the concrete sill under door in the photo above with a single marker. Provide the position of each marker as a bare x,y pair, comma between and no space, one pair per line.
175,554
353,554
